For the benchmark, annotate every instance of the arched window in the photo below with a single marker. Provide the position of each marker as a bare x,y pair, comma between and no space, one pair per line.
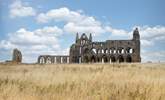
119,51
105,59
84,36
55,60
120,59
128,59
129,50
114,51
48,60
42,60
112,59
122,51
94,50
99,51
106,51
67,59
61,59
110,51
93,59
102,51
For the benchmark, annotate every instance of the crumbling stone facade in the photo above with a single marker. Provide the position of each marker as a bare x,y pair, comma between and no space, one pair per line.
84,50
50,59
17,56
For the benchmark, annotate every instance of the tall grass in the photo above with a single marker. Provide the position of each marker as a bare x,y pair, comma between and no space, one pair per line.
83,82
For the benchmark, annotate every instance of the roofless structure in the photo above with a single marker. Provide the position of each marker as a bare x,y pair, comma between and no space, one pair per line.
84,50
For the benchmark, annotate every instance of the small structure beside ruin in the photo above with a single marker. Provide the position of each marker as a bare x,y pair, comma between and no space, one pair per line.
17,56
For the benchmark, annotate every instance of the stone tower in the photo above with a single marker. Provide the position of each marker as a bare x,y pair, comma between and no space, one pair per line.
136,39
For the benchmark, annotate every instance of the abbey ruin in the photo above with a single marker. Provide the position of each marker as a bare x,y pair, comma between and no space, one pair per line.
84,50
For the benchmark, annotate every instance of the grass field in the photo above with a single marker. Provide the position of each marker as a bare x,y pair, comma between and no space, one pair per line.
82,82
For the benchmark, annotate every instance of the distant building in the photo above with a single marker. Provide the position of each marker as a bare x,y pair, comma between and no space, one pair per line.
84,50
16,57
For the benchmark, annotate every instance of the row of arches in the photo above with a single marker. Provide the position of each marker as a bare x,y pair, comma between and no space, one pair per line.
113,51
51,59
105,59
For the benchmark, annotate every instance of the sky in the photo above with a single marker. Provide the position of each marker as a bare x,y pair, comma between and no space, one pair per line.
39,27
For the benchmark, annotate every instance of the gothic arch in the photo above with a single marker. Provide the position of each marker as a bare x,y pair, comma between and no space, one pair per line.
93,59
41,60
120,50
112,59
129,50
128,59
98,59
48,60
110,50
113,50
98,51
84,39
102,51
94,51
106,51
105,59
120,59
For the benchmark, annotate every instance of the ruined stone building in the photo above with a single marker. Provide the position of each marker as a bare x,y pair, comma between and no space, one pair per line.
84,50
17,56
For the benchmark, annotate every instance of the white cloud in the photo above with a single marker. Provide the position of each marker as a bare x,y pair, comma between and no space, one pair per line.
34,43
17,9
73,28
152,33
6,44
46,35
74,21
63,14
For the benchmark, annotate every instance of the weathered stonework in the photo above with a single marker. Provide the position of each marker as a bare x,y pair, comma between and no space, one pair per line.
17,56
86,51
50,59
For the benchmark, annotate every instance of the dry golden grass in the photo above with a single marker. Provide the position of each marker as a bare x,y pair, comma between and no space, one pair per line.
83,82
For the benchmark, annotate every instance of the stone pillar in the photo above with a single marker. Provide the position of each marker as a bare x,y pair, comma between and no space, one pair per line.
102,59
110,61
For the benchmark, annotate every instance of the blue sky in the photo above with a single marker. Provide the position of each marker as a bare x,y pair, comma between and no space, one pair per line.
49,26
